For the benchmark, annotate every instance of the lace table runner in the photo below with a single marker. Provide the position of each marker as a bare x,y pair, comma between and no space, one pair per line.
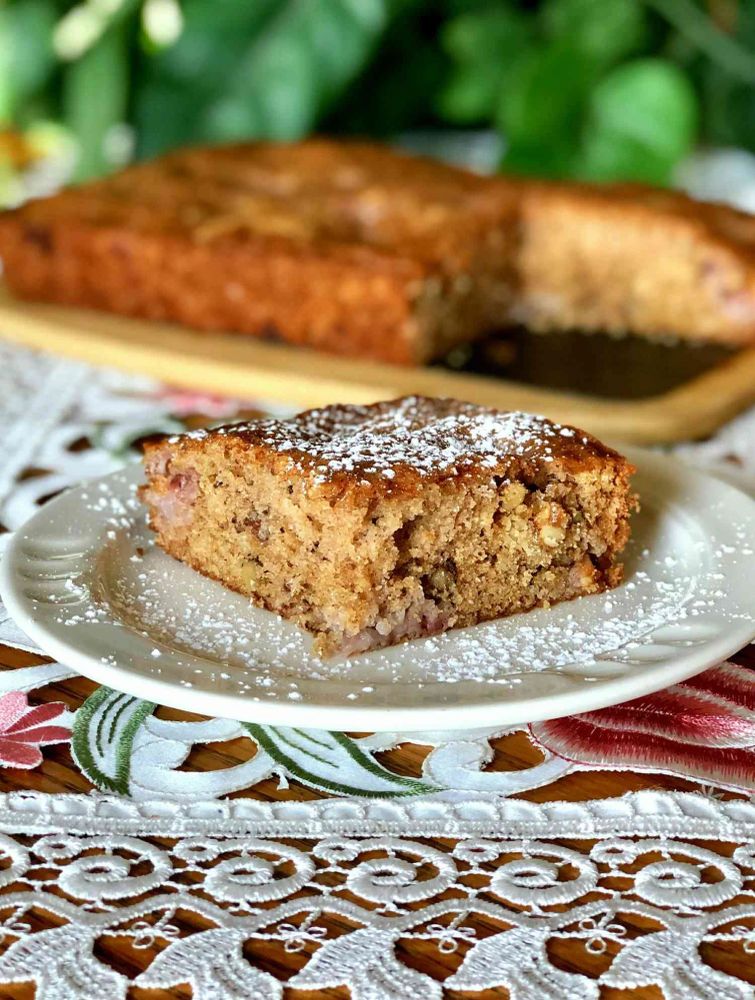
304,860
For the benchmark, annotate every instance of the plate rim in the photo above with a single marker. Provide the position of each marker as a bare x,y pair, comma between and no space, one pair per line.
501,712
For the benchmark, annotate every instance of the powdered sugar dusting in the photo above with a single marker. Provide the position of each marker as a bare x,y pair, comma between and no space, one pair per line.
426,436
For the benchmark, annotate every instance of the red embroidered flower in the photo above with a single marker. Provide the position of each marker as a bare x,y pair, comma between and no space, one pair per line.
24,729
702,728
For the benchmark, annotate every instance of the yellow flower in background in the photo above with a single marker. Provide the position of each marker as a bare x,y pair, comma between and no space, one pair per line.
34,162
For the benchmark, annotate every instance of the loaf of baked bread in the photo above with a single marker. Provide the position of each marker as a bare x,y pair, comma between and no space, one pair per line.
373,525
359,249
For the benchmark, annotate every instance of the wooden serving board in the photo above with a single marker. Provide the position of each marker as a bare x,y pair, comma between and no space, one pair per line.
250,369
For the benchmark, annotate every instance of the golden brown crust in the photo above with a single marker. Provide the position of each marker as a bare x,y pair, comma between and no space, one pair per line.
632,258
400,446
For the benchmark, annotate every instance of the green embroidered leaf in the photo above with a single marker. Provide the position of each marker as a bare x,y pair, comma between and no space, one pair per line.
103,736
120,439
333,762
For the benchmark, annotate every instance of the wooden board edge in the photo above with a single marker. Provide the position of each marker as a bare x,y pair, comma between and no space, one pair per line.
242,367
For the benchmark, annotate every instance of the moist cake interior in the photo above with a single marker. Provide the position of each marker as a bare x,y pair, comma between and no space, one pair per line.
372,525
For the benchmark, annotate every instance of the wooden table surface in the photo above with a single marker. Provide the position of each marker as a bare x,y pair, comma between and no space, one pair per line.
58,773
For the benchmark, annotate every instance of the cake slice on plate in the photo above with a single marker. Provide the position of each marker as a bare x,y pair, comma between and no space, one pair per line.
369,525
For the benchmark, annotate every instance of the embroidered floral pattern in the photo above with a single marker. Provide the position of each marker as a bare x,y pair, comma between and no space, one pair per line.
702,728
184,402
23,730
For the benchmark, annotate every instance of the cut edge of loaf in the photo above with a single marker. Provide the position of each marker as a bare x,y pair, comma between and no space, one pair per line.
633,259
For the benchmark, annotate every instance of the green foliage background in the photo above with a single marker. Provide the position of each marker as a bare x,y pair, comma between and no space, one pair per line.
598,89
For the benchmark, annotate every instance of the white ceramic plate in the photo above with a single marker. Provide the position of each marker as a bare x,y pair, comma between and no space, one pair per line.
84,580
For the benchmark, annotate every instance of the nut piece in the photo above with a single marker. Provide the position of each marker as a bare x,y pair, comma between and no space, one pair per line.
512,495
249,574
552,520
551,535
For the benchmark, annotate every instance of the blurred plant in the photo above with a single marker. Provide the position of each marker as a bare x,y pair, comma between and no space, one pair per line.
598,89
578,92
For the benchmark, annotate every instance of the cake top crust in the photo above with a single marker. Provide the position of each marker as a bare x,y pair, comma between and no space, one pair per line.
403,441
343,194
341,197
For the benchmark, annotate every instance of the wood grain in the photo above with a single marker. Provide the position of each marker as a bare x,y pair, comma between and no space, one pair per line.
247,369
58,773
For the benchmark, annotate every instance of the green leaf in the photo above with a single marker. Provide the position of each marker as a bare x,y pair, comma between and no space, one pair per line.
214,37
277,96
177,85
544,159
734,56
545,93
542,108
483,36
605,30
294,68
95,94
26,53
342,41
643,120
333,762
727,101
399,84
483,45
103,736
166,115
470,95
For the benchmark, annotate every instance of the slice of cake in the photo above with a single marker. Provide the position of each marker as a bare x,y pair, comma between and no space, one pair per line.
370,525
